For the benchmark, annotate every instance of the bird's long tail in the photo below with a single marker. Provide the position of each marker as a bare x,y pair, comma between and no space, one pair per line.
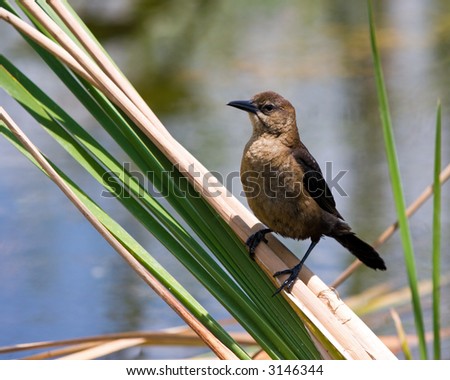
361,250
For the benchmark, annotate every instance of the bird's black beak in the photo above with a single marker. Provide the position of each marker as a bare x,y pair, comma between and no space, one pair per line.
244,105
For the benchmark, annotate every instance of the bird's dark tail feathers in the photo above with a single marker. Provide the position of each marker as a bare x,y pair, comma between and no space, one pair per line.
361,250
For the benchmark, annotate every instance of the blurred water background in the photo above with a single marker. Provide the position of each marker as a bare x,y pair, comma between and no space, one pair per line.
59,279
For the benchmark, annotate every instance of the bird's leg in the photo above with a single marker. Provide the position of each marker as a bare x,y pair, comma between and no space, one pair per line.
254,240
294,271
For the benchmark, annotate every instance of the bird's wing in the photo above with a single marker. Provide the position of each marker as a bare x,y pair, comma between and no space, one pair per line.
313,180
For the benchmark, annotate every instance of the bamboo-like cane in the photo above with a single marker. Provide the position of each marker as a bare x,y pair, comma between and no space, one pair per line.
337,322
103,349
169,337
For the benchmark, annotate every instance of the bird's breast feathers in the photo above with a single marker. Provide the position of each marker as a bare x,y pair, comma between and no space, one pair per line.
272,182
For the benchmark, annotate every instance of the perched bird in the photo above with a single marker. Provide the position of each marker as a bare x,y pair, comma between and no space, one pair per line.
285,188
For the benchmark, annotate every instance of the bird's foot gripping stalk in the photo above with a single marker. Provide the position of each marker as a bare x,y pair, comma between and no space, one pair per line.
289,282
254,240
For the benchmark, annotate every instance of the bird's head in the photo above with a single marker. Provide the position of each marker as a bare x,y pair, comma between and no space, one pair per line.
269,113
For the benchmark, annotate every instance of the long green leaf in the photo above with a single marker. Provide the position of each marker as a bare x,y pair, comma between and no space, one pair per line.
396,184
436,261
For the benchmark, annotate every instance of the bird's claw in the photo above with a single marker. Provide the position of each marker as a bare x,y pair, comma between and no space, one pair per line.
254,240
289,282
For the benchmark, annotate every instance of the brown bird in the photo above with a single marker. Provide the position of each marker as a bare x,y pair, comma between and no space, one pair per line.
285,187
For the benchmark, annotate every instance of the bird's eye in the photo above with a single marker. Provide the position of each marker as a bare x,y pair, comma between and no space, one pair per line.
268,107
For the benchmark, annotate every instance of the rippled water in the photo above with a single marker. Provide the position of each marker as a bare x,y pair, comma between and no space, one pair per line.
59,279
